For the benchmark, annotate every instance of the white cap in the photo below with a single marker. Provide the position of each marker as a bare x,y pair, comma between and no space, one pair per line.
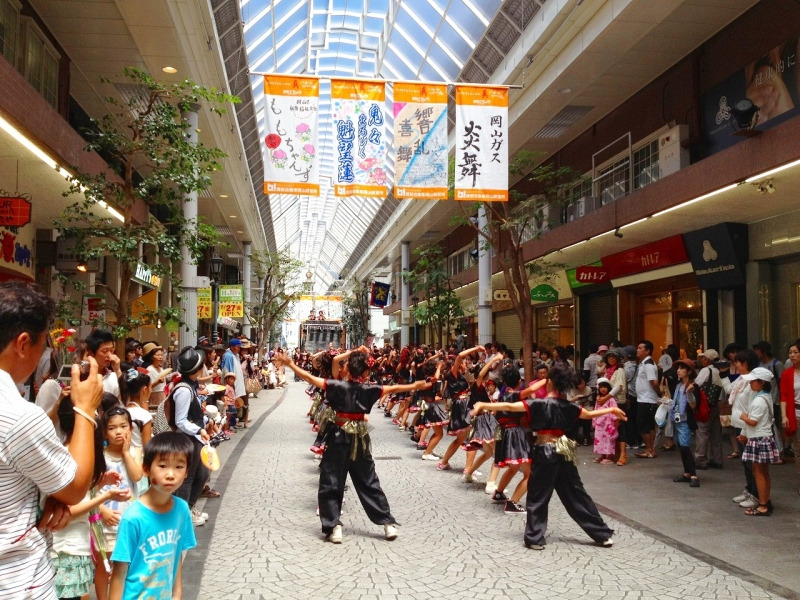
604,380
759,373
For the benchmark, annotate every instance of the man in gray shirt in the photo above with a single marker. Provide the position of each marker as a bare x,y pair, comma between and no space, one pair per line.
646,397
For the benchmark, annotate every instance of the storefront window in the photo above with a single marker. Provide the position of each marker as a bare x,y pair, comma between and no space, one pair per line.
555,325
673,318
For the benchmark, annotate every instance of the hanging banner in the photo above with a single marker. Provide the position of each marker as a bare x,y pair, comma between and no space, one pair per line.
481,144
420,141
291,164
359,138
380,294
231,301
204,305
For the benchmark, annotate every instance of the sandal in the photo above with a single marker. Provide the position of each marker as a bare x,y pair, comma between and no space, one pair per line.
623,460
733,455
755,512
209,492
668,447
645,455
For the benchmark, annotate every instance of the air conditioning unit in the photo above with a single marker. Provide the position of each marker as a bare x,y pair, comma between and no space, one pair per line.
541,218
582,207
672,156
612,193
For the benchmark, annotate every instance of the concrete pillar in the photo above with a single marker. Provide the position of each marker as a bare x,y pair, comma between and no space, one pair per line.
188,331
247,250
484,283
405,265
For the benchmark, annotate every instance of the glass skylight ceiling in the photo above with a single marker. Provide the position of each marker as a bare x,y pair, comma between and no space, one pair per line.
428,40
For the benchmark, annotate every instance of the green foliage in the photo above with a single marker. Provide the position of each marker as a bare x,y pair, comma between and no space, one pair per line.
155,167
355,313
279,290
429,277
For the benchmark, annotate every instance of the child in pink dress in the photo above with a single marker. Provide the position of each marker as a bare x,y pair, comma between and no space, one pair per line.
605,427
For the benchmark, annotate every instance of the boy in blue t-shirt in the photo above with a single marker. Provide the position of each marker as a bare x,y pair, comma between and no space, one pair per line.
155,532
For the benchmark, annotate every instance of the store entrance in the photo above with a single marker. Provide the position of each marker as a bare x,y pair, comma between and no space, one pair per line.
673,317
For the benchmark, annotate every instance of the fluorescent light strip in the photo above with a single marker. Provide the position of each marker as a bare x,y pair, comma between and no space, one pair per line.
766,174
46,159
698,199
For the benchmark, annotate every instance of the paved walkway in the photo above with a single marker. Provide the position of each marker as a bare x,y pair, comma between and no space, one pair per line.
263,539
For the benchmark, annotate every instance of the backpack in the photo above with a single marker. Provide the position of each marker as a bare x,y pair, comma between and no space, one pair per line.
702,411
169,405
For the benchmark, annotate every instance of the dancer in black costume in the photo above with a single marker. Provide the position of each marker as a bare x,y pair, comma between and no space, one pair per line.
347,448
553,460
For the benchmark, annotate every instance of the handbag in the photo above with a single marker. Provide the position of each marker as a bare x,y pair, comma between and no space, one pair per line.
712,390
252,385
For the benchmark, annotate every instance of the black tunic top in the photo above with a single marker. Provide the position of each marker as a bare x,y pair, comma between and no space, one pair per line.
351,397
552,413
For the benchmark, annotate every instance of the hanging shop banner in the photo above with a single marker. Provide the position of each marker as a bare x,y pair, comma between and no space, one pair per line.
231,301
359,137
204,303
15,209
380,294
481,157
291,164
94,308
420,141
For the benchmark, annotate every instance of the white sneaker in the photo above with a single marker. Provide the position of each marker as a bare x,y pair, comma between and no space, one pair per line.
490,488
749,502
335,536
197,518
467,478
391,531
431,457
740,498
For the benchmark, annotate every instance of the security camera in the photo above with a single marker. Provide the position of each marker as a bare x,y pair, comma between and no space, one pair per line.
617,233
770,187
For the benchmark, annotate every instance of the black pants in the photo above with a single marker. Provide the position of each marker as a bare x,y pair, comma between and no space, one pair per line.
196,476
549,472
334,467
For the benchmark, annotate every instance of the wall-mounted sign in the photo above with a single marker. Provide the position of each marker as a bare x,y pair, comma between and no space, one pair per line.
718,254
544,292
501,300
16,245
656,255
144,275
67,258
15,210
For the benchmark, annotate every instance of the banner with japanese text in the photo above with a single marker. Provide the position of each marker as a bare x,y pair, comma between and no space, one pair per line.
481,145
204,303
231,301
420,141
359,152
291,162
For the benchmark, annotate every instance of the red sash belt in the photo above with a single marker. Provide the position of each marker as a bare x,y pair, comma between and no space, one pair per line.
553,432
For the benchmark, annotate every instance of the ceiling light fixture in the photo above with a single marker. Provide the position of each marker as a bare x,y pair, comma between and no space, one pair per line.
771,172
565,90
170,70
82,266
233,216
223,195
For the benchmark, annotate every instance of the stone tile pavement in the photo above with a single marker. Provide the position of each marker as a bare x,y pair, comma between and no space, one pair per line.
263,540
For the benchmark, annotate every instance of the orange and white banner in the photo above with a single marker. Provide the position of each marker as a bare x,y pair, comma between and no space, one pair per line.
420,141
291,159
359,130
481,149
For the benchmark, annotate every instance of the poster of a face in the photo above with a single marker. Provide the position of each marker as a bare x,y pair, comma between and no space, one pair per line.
772,83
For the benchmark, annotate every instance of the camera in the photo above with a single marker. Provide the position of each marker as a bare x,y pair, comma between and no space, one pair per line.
678,418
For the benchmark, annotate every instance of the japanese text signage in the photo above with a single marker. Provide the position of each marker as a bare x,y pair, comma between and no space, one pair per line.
231,301
14,211
359,138
420,141
481,150
204,303
379,295
291,162
656,255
